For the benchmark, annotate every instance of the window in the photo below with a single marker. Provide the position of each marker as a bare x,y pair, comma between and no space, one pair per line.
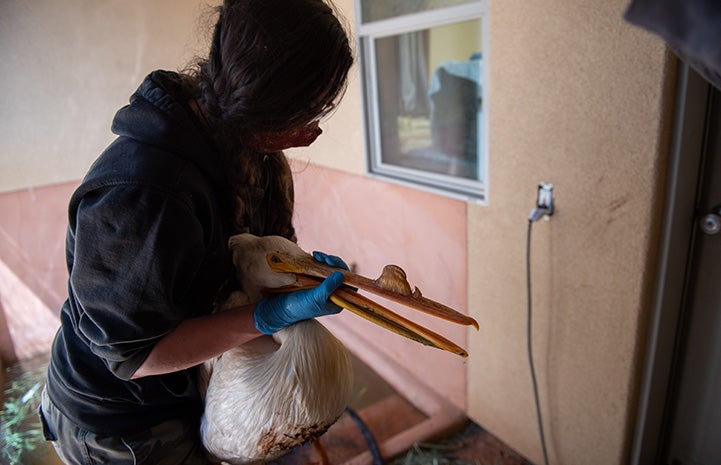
423,72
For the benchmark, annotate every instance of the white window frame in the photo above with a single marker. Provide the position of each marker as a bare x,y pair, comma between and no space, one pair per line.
466,189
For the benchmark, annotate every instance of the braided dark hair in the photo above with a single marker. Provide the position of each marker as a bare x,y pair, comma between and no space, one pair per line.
273,65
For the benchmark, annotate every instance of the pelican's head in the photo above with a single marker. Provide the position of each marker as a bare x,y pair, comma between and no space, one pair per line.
251,265
275,264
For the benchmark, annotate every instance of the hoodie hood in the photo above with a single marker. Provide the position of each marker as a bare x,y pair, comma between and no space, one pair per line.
158,115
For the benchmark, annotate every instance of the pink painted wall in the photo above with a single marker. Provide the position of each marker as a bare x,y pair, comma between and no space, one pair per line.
370,223
367,222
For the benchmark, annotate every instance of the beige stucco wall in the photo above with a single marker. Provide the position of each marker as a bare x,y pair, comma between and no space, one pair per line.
577,100
68,66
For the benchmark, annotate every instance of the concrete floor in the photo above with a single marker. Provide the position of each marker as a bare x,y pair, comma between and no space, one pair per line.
472,445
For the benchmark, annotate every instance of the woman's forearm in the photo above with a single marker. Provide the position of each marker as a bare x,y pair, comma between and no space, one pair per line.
198,339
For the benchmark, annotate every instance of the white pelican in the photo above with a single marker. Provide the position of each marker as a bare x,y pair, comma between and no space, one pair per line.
276,392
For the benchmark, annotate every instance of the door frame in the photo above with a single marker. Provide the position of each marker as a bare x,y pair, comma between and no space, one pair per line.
686,156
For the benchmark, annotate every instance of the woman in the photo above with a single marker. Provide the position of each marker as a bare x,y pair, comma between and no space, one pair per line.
197,159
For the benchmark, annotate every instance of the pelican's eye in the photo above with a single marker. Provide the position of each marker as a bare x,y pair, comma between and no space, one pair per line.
275,259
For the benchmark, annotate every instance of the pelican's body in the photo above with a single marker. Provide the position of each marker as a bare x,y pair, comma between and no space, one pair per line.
266,397
278,392
273,393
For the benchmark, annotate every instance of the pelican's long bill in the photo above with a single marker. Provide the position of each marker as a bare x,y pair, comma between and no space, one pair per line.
392,285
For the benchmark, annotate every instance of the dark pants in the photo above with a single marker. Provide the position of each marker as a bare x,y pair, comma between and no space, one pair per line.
170,443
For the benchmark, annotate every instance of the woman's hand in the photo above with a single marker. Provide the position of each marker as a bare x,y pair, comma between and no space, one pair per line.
275,313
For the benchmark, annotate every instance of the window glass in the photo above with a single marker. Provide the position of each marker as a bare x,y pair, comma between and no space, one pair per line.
423,65
376,10
430,99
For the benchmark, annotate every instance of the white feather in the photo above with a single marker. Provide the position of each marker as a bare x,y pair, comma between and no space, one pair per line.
273,393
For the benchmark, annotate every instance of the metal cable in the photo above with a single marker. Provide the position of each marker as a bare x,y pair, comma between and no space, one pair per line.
529,339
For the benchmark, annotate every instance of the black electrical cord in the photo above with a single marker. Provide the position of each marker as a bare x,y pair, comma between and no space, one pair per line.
367,435
530,350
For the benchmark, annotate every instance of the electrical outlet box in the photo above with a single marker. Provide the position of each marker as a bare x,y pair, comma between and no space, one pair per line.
545,198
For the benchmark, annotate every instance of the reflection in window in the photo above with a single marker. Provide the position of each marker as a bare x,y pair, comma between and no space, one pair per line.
429,105
424,102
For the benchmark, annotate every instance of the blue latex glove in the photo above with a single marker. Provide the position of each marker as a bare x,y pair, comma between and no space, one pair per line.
275,313
331,260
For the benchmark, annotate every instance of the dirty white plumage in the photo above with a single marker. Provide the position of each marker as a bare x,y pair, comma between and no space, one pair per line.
273,393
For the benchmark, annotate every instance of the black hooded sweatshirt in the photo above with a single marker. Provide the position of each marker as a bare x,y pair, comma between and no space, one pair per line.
146,249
